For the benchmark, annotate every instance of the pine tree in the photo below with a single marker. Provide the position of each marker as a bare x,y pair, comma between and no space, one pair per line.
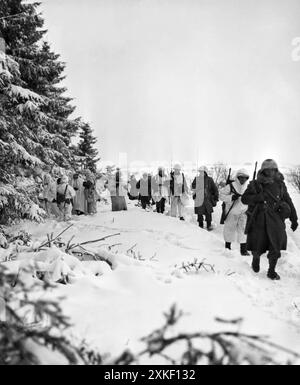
36,127
86,149
41,72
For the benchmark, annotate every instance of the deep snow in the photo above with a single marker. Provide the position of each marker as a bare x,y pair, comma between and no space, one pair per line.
114,310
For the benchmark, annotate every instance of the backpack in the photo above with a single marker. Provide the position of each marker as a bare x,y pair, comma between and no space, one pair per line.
281,207
172,183
91,194
61,198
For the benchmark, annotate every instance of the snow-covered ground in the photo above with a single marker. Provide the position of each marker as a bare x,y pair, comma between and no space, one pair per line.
114,309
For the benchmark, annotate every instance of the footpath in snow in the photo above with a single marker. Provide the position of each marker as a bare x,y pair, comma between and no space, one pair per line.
113,309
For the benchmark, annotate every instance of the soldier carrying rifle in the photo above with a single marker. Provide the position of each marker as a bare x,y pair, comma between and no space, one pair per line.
269,206
234,211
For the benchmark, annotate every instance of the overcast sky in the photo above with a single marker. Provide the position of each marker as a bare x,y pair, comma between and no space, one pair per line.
183,79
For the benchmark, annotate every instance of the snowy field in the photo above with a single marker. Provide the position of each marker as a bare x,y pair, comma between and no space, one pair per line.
113,309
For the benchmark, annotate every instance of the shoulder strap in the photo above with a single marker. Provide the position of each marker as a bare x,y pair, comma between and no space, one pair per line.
183,183
257,186
232,189
281,191
65,193
272,196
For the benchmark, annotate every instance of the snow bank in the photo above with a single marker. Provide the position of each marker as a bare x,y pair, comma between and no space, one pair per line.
112,307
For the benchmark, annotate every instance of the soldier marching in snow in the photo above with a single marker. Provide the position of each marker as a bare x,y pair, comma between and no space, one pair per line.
235,211
160,191
144,187
65,195
133,193
269,206
178,192
90,193
79,206
49,192
206,196
117,189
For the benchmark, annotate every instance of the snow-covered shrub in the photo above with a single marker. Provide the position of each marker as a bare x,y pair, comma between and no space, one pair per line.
3,240
18,200
219,173
226,347
294,177
33,329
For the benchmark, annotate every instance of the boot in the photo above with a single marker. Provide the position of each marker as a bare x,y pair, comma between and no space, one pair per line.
182,218
244,251
228,245
256,263
209,226
200,221
271,272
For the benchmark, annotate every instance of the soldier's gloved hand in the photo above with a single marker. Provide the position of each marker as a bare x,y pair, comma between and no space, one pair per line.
259,198
294,226
235,197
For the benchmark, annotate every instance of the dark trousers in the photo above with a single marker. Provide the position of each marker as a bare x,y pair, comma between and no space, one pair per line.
160,206
208,219
145,201
273,256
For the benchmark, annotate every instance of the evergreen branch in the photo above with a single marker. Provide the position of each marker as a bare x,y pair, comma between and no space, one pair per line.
233,347
51,240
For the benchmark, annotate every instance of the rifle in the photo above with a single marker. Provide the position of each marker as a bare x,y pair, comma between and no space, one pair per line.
255,170
251,214
224,214
228,177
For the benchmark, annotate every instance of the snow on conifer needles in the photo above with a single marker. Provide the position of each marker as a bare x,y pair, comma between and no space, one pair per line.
36,127
211,348
24,343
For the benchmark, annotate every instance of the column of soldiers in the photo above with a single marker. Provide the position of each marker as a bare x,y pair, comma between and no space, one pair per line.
65,195
254,212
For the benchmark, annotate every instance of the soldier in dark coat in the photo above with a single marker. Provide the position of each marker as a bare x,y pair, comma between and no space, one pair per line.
117,188
269,206
206,196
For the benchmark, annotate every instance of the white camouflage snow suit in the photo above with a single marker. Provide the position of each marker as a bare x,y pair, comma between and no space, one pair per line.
235,224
